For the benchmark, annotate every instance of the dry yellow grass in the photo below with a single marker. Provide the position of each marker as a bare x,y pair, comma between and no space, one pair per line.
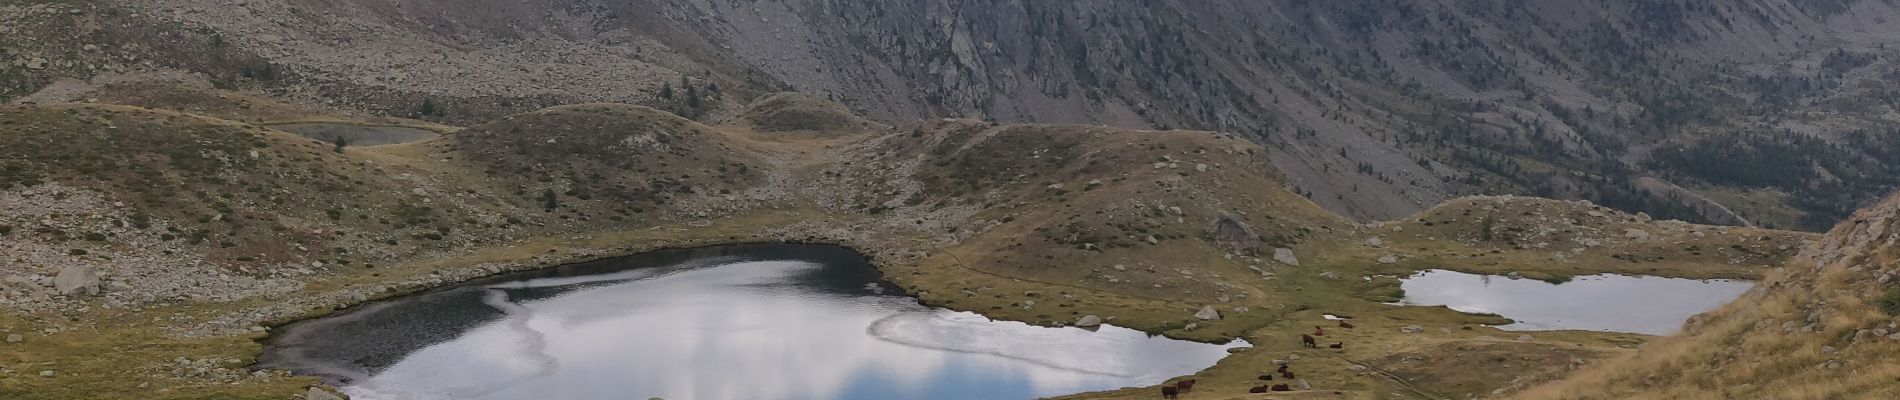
1816,330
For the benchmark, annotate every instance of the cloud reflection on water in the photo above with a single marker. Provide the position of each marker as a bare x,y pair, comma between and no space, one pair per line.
737,331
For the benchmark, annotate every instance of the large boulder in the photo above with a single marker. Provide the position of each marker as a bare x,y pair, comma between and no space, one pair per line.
1234,235
76,279
1089,321
1285,256
1207,313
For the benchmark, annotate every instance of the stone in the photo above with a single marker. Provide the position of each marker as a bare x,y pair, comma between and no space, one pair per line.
1411,329
1388,259
1279,362
1200,167
1238,350
1089,321
1285,256
1234,235
1151,240
1375,242
1357,368
15,338
1207,313
1304,385
320,394
1191,326
36,63
76,279
1329,275
49,373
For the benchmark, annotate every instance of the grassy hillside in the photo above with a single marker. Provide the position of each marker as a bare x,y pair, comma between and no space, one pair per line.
1821,328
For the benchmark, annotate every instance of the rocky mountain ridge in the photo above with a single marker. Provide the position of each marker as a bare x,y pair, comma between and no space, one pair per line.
1373,108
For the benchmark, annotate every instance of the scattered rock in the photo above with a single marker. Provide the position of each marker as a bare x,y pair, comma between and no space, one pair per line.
1357,368
1279,362
1329,275
15,338
1200,167
1089,321
36,63
1191,326
1285,256
1238,350
49,373
1411,329
1304,385
1375,242
1207,313
1388,259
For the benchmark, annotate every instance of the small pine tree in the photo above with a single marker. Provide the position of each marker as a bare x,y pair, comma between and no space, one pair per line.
429,108
666,91
548,200
340,142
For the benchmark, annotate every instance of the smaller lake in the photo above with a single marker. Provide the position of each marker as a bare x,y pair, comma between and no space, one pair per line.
1611,303
729,322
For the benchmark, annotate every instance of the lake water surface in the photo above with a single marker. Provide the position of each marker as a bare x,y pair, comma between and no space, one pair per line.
731,322
1611,303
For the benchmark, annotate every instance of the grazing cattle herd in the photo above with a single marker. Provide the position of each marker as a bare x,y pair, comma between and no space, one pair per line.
1176,389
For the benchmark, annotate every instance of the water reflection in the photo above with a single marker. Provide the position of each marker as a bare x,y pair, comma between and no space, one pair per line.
763,322
1614,303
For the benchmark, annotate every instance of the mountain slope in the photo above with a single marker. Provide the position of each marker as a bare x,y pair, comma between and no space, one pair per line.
1823,327
1375,109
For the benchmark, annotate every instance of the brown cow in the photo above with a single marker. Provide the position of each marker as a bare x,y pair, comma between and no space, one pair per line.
1258,389
1282,388
1169,392
1336,345
1308,341
1186,386
1318,331
1283,369
1287,375
1267,377
1344,324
